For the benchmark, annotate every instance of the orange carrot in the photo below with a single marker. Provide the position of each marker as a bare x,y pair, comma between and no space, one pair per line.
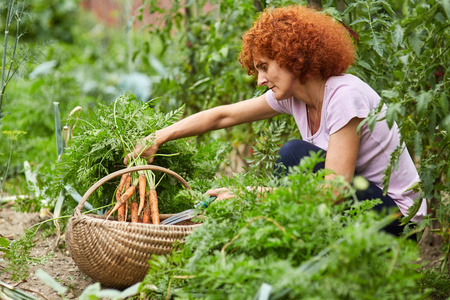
134,212
125,207
142,183
121,185
146,216
121,210
153,199
123,199
119,189
121,213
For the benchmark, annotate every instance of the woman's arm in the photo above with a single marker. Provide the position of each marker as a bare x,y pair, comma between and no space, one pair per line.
341,158
216,118
343,151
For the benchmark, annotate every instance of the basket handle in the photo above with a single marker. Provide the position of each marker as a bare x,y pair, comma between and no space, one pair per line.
123,171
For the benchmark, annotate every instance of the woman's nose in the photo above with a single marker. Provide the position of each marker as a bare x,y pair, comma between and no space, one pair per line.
261,79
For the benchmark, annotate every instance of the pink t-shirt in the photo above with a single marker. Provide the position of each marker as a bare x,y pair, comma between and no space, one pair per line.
345,98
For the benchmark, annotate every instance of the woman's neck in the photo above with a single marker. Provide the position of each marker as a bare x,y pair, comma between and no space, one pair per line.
311,93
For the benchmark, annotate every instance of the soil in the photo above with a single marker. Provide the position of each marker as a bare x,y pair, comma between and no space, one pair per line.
59,266
62,268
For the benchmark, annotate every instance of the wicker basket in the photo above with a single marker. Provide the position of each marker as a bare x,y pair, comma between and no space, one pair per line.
116,254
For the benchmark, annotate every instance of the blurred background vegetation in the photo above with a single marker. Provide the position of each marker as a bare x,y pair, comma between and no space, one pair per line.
81,53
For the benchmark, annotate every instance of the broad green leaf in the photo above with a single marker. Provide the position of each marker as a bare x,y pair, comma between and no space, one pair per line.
416,42
263,292
444,103
397,36
412,211
390,94
333,12
4,244
422,103
201,81
398,74
418,143
58,131
387,7
405,8
392,113
90,291
361,20
224,51
446,5
350,7
431,123
108,294
446,123
377,45
365,65
47,279
130,291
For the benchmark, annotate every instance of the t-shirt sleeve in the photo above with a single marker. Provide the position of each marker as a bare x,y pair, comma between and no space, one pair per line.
346,103
283,106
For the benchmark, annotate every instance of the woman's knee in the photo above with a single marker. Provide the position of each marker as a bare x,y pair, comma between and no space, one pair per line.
293,151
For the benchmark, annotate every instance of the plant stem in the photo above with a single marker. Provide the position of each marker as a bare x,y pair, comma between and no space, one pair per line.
5,48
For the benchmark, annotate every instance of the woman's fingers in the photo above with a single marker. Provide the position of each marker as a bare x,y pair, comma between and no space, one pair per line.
220,193
129,157
144,149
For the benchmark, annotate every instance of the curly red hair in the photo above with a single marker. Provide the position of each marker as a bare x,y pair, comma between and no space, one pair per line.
301,40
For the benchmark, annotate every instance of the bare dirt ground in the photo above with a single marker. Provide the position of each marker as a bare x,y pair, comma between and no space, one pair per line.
62,268
59,265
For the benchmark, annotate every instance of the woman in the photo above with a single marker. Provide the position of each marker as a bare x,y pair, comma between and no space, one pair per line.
301,56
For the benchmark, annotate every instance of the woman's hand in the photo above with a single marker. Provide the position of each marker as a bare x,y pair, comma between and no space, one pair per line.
145,148
220,193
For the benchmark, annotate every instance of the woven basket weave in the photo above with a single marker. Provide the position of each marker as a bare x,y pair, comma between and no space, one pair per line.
116,254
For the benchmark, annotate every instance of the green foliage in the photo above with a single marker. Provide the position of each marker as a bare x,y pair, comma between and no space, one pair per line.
10,138
104,135
292,239
437,282
266,147
403,54
53,19
299,249
201,52
199,42
92,292
17,258
10,292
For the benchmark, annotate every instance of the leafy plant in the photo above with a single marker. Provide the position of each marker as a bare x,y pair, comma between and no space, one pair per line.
10,292
12,136
92,292
17,254
413,82
292,241
437,282
16,55
105,135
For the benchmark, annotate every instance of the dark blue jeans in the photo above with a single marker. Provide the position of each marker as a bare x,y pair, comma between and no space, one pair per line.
294,151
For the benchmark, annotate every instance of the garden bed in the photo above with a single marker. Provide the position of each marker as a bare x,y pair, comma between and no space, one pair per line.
59,265
62,268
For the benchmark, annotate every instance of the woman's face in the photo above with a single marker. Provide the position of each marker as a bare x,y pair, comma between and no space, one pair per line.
281,81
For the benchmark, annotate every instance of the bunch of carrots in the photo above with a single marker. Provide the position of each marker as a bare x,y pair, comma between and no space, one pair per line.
126,198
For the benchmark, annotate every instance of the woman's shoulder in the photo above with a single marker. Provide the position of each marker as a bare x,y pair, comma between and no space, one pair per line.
350,85
346,80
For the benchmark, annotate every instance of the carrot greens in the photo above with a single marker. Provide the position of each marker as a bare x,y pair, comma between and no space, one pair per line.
106,133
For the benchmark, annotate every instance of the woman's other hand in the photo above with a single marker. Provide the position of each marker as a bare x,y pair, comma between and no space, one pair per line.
221,193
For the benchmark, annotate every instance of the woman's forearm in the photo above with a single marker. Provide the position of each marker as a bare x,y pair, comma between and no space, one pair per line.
193,125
